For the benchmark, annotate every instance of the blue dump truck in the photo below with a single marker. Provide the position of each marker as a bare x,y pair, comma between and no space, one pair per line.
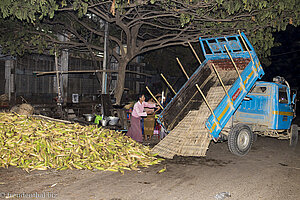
224,101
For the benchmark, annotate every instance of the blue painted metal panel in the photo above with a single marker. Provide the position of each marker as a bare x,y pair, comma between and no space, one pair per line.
283,111
267,108
257,110
213,48
239,89
274,106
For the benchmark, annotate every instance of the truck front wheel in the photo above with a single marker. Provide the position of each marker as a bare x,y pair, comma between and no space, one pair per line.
240,139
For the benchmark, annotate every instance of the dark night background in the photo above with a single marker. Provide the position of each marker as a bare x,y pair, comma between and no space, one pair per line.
285,58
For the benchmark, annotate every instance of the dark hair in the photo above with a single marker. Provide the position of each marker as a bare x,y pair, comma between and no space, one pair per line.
140,96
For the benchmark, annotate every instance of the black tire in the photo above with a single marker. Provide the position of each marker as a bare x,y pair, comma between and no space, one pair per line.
294,135
255,137
240,139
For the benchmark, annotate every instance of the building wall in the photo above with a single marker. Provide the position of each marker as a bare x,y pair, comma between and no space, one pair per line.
84,84
43,89
34,88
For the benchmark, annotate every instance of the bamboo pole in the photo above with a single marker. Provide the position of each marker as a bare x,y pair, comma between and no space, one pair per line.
168,84
154,98
232,61
194,53
245,45
211,110
248,50
52,119
234,66
182,68
254,68
39,73
222,84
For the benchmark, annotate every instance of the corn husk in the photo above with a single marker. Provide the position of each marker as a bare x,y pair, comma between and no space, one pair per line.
37,144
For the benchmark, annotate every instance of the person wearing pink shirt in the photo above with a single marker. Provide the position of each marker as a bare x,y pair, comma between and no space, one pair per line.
135,131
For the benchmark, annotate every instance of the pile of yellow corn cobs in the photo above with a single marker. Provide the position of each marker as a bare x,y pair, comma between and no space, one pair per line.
32,143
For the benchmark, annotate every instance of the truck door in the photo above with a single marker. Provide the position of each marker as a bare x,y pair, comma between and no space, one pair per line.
257,108
283,111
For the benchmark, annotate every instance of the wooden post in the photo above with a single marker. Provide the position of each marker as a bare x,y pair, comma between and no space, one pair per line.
234,66
182,68
7,71
64,65
57,75
59,100
104,75
154,98
64,60
168,84
222,84
194,53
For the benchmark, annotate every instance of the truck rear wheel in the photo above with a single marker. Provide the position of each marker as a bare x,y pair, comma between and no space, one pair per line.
293,132
240,139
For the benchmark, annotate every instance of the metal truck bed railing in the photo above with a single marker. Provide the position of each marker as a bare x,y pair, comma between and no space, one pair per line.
241,86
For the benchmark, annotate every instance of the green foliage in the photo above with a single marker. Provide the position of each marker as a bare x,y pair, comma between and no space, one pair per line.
191,18
185,19
263,18
263,41
31,10
28,10
20,37
80,6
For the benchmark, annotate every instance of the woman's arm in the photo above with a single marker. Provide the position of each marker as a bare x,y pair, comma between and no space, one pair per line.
139,110
149,105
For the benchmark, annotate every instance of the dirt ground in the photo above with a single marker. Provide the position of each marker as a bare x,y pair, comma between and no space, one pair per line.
271,170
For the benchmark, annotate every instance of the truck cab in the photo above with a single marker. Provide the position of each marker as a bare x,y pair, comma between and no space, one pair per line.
267,104
268,110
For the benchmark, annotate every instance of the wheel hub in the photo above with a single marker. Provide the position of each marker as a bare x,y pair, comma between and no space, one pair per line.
243,140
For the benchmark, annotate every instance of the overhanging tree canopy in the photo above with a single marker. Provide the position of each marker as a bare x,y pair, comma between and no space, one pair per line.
138,25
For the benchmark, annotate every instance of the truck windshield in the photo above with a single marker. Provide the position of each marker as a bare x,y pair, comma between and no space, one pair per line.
259,89
282,95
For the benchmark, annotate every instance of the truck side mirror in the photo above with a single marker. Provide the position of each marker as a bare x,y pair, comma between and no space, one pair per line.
293,99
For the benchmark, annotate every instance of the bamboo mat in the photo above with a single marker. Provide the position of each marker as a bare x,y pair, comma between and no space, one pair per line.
190,137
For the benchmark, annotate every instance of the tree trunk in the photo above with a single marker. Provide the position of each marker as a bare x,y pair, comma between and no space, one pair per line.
120,81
